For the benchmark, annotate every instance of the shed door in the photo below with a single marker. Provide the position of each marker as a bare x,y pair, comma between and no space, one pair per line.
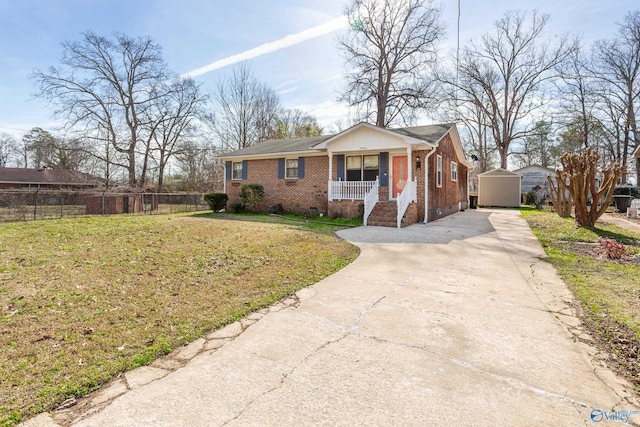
400,174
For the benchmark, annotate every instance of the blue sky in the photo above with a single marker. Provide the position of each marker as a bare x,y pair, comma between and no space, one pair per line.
196,33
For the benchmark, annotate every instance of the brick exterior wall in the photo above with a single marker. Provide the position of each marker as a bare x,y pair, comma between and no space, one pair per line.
345,208
114,205
302,194
445,200
297,195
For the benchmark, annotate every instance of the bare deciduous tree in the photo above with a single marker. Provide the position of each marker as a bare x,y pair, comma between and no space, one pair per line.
108,84
177,113
244,110
201,170
537,146
617,67
295,124
391,46
7,148
505,73
578,97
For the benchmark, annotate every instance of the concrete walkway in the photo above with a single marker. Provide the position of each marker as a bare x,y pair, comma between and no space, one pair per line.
620,222
456,322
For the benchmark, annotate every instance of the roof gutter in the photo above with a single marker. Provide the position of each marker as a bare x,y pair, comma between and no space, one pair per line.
271,155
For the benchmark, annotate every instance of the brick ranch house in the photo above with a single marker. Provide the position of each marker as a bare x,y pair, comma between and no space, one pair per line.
46,179
384,170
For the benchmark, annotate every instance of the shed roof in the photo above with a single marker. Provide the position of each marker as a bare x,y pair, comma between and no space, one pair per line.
533,169
46,176
499,172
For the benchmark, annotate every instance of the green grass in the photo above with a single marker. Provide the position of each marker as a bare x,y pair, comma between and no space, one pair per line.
607,290
84,299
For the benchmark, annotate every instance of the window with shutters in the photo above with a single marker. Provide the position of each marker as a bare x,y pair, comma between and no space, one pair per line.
363,168
291,168
237,170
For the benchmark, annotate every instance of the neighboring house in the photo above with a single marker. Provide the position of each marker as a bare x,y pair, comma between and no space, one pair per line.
380,171
499,188
533,176
46,179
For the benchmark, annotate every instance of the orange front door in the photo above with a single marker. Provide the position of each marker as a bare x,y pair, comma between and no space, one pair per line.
399,174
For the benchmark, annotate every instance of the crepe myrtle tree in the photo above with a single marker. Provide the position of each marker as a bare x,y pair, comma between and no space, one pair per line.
579,178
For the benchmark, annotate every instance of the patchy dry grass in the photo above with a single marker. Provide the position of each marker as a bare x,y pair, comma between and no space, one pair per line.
608,290
84,299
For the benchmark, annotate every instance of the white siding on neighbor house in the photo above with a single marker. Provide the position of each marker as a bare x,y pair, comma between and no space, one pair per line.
499,188
534,175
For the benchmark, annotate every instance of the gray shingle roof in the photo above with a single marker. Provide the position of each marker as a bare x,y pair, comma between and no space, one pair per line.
430,133
46,176
279,146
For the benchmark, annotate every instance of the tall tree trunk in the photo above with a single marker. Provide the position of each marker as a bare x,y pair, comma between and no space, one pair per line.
160,176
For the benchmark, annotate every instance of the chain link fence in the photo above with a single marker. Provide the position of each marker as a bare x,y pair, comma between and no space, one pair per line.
27,205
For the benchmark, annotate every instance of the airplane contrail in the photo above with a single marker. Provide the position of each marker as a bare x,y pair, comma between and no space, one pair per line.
263,49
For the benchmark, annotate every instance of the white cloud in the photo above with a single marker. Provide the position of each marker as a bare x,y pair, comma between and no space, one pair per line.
283,43
288,90
287,83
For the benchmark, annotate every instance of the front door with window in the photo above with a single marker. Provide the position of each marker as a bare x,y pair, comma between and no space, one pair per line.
399,174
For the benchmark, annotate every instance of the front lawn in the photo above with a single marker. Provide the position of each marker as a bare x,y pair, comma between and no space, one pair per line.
608,289
84,299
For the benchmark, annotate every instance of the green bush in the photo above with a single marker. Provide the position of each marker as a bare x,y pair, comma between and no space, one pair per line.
237,207
627,190
216,201
251,195
530,198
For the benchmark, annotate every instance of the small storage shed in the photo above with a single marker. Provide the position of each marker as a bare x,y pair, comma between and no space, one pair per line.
499,188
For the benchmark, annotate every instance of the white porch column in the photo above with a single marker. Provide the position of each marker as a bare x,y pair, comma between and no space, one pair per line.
409,165
329,192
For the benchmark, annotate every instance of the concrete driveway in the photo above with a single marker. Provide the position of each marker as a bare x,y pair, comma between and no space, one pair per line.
457,322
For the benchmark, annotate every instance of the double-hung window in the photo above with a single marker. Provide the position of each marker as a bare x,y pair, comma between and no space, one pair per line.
454,171
237,170
291,168
363,168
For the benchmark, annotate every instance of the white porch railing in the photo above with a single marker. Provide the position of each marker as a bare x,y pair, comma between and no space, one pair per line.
408,195
370,201
349,190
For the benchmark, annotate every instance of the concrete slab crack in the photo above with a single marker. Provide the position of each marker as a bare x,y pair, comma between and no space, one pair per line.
284,377
512,381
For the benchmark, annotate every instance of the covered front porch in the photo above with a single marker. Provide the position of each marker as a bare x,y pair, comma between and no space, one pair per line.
376,172
392,190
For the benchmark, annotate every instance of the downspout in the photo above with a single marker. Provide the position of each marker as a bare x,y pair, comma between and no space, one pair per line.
224,186
426,185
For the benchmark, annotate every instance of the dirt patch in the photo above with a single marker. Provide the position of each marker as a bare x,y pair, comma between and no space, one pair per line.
596,251
620,344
